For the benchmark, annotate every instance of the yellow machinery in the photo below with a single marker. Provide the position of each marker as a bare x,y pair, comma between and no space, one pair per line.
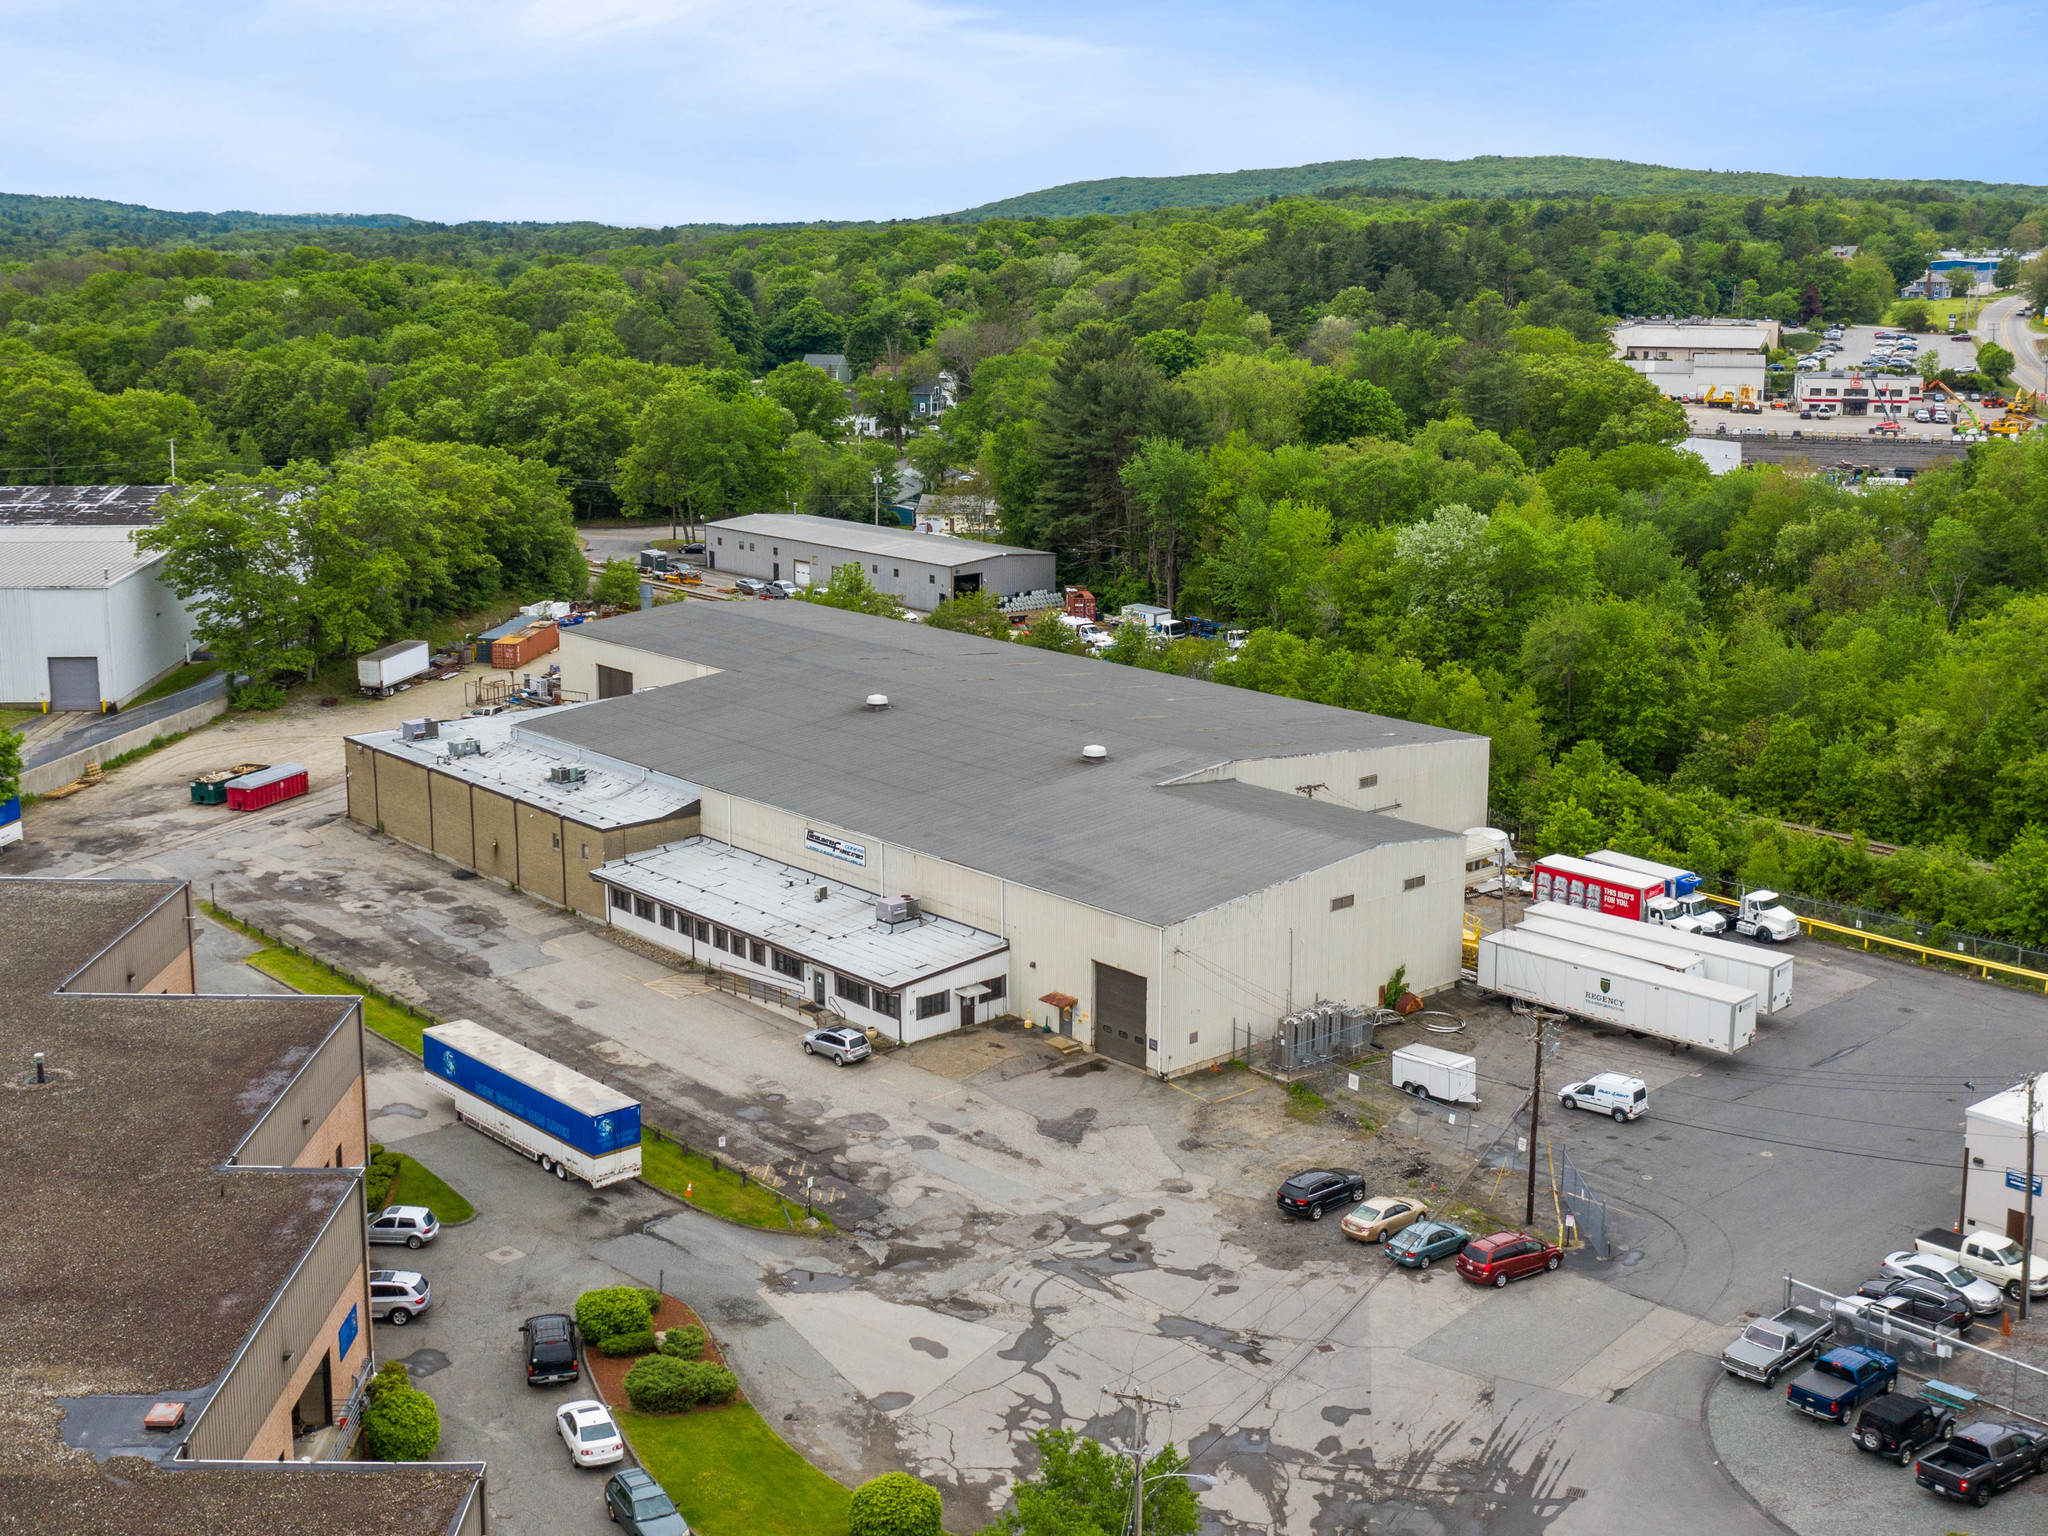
2009,426
2024,403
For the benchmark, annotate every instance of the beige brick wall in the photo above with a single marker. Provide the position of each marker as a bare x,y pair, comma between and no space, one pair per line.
450,805
497,832
402,800
344,1127
274,1439
540,852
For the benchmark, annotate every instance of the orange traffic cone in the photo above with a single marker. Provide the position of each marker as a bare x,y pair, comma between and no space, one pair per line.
689,1191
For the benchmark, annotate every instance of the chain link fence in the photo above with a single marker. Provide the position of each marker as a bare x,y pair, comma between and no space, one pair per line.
1585,1210
1888,925
1935,1354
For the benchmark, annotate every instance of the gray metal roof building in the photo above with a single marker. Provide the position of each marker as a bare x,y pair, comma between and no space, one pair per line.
1235,856
81,506
920,568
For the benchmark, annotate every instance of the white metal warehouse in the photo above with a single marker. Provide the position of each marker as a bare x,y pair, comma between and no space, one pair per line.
920,568
85,621
1231,858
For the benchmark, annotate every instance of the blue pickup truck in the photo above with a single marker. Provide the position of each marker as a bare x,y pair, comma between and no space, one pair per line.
1841,1381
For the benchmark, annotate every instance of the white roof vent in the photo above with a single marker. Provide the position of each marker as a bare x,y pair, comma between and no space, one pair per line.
878,701
1093,753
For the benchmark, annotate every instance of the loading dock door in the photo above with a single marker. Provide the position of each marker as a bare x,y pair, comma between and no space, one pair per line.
613,682
1119,1014
75,682
970,581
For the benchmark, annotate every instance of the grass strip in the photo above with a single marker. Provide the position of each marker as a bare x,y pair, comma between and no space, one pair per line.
417,1184
299,973
665,1165
185,677
731,1475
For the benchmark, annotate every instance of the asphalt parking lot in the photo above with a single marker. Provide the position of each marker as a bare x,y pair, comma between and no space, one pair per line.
1019,1228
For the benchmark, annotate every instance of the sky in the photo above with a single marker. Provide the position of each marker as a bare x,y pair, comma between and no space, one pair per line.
657,112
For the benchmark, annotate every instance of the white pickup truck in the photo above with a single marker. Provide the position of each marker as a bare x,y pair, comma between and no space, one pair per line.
1991,1254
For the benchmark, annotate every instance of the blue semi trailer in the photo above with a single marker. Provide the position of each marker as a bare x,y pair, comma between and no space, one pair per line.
568,1123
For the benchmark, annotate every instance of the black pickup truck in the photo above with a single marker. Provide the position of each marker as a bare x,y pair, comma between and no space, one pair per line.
1983,1459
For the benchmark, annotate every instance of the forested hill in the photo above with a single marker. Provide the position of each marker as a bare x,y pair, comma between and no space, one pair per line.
1481,176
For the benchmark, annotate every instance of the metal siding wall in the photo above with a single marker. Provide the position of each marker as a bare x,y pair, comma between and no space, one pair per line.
246,1399
1230,965
1436,784
581,652
279,1138
144,952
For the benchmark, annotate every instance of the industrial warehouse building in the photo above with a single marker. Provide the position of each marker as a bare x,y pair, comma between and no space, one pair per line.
86,622
906,827
513,806
922,569
1856,393
1688,358
186,1281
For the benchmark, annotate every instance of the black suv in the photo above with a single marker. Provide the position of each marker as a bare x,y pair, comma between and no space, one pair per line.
550,1349
1899,1426
1314,1192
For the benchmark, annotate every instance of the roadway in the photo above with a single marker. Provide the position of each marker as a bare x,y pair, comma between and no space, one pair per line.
2000,322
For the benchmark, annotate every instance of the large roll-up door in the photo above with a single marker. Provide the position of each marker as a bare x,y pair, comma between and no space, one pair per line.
74,682
1119,1014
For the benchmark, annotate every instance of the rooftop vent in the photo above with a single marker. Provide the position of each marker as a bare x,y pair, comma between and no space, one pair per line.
1094,754
566,773
823,892
164,1416
893,912
878,701
419,730
465,746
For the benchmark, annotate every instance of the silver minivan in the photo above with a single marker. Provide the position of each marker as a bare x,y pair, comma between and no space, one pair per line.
1608,1093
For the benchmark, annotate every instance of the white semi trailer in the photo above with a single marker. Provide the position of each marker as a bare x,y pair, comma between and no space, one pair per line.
1760,971
1612,989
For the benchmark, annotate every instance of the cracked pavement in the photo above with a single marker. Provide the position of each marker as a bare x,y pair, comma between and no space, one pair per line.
1021,1230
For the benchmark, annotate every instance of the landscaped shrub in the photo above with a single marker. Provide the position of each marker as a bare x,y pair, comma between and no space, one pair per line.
664,1384
657,1385
641,1343
379,1177
613,1311
403,1424
392,1375
708,1383
894,1504
684,1343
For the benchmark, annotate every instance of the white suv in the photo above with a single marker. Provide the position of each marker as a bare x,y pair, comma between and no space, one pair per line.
397,1296
1608,1093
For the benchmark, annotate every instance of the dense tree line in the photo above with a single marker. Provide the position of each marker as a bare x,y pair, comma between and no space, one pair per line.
1386,432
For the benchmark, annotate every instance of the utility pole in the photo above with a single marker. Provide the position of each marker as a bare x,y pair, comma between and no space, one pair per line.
1535,1107
878,498
174,460
1139,1403
2027,1225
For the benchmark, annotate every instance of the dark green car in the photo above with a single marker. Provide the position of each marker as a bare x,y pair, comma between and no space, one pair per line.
635,1501
1422,1244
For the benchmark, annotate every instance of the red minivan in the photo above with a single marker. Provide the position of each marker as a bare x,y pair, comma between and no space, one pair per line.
1507,1256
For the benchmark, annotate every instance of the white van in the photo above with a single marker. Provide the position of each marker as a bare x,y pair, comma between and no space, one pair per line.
1608,1093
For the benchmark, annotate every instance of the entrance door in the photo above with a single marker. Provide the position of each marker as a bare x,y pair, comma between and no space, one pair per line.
775,571
2016,1226
75,682
818,988
966,1013
1067,1022
1119,1014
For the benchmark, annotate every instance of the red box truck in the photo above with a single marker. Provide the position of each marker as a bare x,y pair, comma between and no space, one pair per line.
1595,887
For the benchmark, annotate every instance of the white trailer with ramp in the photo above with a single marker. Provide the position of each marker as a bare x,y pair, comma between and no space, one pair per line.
1768,975
1606,988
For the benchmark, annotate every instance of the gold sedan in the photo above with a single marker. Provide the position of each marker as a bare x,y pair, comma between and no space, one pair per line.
1379,1219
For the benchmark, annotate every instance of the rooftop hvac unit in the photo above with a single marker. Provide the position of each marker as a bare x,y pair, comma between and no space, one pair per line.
893,912
566,773
465,746
419,730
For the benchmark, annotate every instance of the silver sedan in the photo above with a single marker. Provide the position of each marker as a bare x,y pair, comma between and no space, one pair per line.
1981,1295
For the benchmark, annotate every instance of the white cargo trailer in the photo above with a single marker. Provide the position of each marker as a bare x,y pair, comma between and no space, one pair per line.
1612,989
1768,975
1642,944
1428,1072
380,672
568,1123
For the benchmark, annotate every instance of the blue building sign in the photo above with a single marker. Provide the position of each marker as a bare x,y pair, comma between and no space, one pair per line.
349,1328
2016,1179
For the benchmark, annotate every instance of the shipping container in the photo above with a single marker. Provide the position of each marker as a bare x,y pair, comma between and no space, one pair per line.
10,820
522,646
566,1122
381,671
1614,990
512,626
254,791
1595,887
1766,974
1677,882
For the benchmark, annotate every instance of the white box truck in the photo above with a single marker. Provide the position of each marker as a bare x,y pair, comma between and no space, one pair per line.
1769,976
1428,1072
1612,989
381,671
566,1122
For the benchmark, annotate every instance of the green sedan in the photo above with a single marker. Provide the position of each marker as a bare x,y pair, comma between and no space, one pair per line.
1424,1243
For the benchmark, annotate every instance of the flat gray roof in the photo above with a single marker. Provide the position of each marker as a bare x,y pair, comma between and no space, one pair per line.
867,539
106,506
978,758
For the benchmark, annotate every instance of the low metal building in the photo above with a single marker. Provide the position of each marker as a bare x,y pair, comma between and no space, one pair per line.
922,569
1227,858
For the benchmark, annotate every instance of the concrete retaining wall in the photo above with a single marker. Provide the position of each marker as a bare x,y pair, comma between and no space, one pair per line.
59,771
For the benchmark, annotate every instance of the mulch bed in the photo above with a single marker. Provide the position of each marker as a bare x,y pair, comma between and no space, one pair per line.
608,1376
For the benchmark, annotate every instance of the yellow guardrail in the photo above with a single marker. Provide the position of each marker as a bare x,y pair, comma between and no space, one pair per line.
1924,952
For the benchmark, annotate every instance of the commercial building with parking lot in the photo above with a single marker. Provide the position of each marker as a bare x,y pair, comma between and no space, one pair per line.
922,569
186,1284
919,829
1856,392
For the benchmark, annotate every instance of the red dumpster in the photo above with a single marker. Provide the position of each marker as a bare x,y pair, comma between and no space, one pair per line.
254,791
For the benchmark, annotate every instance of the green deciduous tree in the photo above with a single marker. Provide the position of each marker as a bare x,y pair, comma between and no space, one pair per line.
814,399
849,588
1336,410
697,456
617,585
1082,1488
